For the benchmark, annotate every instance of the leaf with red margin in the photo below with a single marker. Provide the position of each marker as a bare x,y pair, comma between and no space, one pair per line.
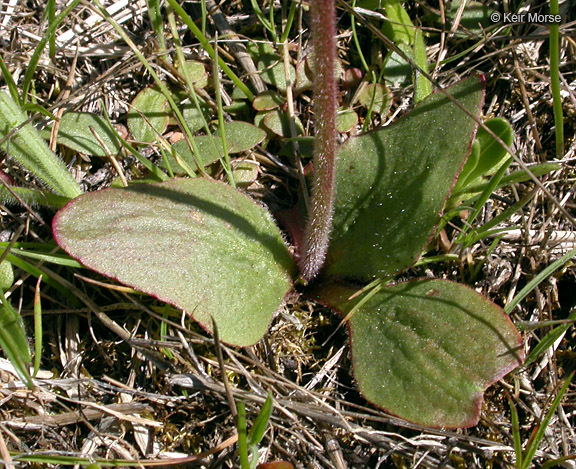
426,350
391,184
197,244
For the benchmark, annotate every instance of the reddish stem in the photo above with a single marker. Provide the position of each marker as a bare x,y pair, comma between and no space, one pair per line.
319,223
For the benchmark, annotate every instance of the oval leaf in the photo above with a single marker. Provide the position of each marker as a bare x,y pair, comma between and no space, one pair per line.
241,136
74,132
197,244
148,116
426,350
391,185
375,96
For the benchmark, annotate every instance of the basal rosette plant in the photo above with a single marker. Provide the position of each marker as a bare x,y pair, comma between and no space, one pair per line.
424,350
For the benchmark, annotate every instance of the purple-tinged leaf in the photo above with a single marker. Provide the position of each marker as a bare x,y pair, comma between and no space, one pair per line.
197,244
391,184
426,350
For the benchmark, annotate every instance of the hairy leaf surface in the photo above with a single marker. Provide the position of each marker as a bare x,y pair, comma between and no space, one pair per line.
426,350
391,184
194,243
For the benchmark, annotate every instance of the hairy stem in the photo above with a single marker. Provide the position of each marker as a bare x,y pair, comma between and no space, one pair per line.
319,223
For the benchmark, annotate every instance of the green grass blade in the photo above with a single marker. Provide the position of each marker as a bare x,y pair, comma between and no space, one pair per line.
548,340
33,63
242,439
209,49
37,328
515,431
26,146
13,340
261,423
555,81
289,21
489,228
10,83
155,16
538,280
36,272
51,13
226,160
535,442
165,91
484,196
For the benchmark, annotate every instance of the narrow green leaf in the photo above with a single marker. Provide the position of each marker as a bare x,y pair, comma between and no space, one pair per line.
242,439
426,350
194,243
543,275
29,149
423,87
9,80
399,27
32,197
392,184
491,154
548,340
13,340
515,431
532,447
261,423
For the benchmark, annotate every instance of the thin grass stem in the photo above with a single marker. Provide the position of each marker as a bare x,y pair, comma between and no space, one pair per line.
555,81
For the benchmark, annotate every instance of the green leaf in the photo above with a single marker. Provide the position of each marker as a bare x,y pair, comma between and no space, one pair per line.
194,243
209,148
27,147
197,73
149,116
6,275
346,120
474,20
261,423
375,96
194,117
426,350
397,70
398,27
13,340
267,100
241,136
245,173
422,85
278,122
490,154
74,132
273,72
391,185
